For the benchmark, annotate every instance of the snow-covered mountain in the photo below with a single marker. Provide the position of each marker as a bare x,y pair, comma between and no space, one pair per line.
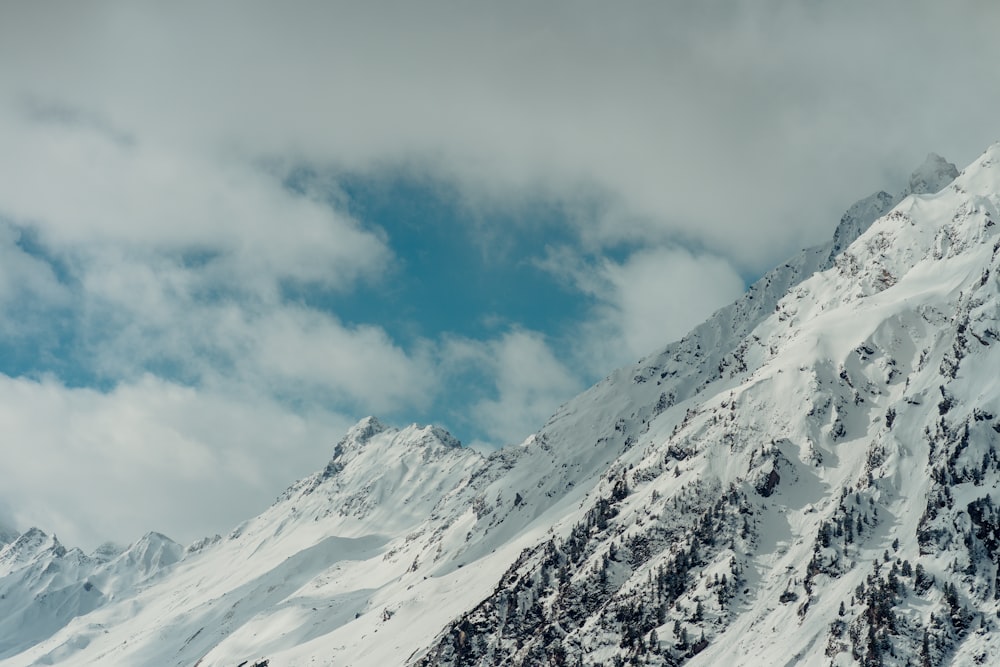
809,477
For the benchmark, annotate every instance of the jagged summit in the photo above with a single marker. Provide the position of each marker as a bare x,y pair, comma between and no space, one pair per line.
445,438
353,442
932,176
33,535
107,551
370,439
369,427
808,477
152,552
858,218
364,430
28,545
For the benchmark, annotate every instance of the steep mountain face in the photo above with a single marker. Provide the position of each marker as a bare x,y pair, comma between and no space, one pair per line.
809,477
827,496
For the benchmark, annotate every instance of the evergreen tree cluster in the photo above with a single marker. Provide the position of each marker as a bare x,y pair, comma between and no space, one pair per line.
542,602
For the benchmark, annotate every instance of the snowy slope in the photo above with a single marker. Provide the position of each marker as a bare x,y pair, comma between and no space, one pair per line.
828,497
305,565
810,445
44,585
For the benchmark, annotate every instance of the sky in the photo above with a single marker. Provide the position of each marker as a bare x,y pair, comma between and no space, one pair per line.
230,230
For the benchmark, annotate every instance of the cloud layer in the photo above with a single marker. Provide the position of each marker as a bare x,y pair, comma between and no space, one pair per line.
149,455
158,259
657,109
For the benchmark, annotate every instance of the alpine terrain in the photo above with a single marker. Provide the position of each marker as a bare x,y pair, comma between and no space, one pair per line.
810,477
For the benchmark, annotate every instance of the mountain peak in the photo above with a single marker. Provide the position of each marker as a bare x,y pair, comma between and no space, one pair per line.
368,428
446,438
32,539
931,176
107,551
364,430
355,438
153,551
27,546
154,538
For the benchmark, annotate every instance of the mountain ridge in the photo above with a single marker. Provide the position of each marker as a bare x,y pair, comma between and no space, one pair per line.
672,513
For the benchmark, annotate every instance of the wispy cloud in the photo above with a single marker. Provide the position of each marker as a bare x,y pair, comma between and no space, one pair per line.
86,195
150,454
24,277
652,296
525,381
659,108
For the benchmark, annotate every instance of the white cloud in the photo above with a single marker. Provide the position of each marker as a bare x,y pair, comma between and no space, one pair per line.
528,382
23,276
178,258
656,296
652,298
90,465
140,316
658,111
360,364
85,193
